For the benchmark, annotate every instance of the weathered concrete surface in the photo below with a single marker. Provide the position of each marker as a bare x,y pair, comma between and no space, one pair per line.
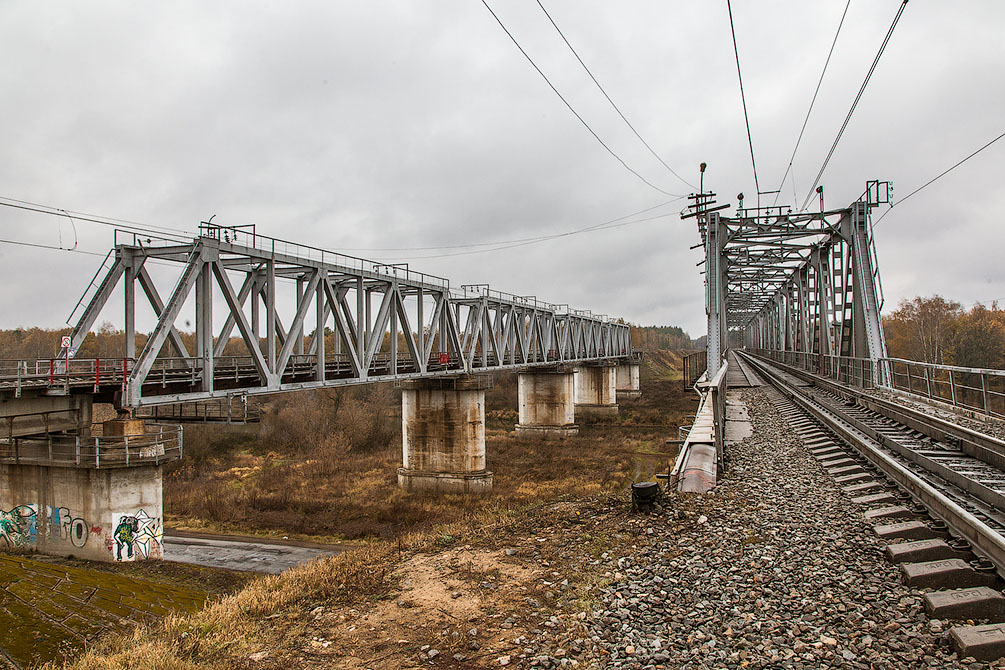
36,414
103,515
627,380
979,602
546,404
443,435
596,392
239,555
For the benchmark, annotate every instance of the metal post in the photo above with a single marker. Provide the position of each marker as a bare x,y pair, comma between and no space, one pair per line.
129,288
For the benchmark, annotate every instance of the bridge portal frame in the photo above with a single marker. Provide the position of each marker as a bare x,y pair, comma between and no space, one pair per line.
805,282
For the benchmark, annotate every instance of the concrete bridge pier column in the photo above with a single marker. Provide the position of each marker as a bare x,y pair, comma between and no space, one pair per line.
443,435
596,393
547,405
627,384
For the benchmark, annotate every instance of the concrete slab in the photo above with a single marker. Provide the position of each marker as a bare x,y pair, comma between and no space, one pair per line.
232,555
852,478
979,602
934,549
906,530
891,512
950,573
985,643
738,426
875,499
845,470
863,487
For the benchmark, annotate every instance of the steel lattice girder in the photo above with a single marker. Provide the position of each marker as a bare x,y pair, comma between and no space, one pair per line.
802,282
376,309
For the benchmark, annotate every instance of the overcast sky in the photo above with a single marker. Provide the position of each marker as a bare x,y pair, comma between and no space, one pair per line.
372,125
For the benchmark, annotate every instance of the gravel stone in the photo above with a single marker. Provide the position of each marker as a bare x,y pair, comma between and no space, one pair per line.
776,570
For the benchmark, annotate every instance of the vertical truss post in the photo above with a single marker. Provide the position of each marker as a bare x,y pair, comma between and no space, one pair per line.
129,289
869,340
715,293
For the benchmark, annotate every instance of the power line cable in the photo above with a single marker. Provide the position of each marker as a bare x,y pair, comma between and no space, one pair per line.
812,102
936,178
498,242
616,108
49,246
847,118
546,238
571,109
743,99
104,221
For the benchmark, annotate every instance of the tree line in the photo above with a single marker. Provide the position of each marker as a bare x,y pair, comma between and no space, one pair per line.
936,330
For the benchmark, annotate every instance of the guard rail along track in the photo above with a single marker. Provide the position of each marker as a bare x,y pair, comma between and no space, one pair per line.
957,474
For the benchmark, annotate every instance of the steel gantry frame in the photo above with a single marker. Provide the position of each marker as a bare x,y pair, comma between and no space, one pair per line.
793,282
383,322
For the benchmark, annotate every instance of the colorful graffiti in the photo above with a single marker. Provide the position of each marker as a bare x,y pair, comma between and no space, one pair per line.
136,536
18,527
66,527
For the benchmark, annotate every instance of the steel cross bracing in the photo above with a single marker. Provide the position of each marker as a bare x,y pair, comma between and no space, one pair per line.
378,322
794,282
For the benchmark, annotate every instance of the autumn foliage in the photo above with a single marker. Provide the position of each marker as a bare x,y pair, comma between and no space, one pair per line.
936,330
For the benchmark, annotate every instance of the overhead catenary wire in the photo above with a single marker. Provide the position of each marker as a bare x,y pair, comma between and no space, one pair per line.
570,107
546,238
90,218
499,242
616,108
936,178
854,104
743,99
809,111
74,250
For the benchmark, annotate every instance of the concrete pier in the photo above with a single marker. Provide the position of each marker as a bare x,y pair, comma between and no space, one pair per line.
99,514
627,383
547,404
91,496
443,435
596,393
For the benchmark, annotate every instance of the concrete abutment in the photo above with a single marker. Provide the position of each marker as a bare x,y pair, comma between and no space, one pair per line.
57,498
443,435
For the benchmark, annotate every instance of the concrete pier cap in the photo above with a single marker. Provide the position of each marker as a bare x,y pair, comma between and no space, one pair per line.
547,402
596,385
443,435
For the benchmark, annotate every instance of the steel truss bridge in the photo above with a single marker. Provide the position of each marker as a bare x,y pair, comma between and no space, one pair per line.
805,282
383,322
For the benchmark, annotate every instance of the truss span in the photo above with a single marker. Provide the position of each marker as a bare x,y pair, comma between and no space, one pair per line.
274,316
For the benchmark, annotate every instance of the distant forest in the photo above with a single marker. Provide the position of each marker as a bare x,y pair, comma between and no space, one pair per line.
930,329
936,330
107,342
660,337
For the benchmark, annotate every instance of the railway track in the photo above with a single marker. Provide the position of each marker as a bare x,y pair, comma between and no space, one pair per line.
935,490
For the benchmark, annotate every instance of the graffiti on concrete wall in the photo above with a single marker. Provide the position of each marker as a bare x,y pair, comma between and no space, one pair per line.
136,536
64,526
18,527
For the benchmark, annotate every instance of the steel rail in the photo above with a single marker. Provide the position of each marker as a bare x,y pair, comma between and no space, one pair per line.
983,447
984,540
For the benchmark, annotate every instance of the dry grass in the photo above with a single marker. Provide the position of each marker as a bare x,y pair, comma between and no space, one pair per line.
317,483
326,469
